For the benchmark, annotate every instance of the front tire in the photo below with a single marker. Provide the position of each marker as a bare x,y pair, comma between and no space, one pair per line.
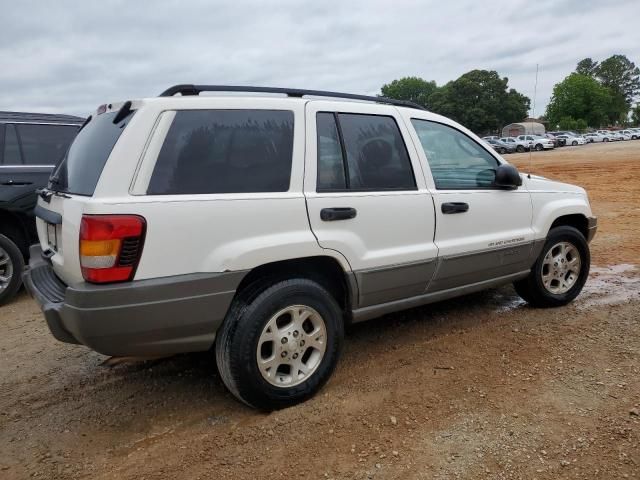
520,149
11,268
560,271
539,147
279,343
574,143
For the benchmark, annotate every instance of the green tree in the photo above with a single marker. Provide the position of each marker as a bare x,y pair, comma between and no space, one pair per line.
587,67
635,115
621,75
481,101
413,89
516,107
579,97
581,125
567,123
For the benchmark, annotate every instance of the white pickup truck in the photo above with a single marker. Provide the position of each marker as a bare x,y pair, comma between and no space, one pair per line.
259,226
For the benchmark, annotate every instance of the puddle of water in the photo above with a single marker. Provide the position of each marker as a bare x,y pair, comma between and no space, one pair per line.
610,285
510,303
621,268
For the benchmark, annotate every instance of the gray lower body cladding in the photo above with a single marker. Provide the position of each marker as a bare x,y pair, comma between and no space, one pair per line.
146,317
470,268
182,313
380,285
390,289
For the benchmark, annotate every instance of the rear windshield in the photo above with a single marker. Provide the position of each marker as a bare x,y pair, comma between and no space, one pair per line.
81,168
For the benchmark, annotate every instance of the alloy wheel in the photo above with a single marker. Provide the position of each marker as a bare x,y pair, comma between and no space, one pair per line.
6,269
291,346
561,268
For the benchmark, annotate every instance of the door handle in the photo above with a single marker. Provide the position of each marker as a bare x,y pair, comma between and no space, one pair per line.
12,182
339,213
454,207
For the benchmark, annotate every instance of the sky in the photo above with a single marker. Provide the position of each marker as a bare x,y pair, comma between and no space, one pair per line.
71,56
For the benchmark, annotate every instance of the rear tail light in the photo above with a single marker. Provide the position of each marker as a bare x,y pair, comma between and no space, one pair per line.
110,247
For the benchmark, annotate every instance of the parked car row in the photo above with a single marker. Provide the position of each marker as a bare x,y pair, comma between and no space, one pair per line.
521,143
550,140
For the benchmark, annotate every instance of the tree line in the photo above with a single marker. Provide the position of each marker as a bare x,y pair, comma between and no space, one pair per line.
596,94
480,99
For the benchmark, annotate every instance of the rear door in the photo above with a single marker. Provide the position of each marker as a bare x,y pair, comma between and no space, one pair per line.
482,232
367,198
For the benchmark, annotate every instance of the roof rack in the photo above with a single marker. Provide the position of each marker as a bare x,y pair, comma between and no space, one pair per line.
186,90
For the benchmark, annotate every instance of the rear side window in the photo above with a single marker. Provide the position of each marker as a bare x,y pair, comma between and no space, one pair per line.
370,150
45,144
11,151
81,168
225,151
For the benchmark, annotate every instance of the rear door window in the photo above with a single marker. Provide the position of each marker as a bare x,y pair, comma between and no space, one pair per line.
225,151
362,152
45,144
81,168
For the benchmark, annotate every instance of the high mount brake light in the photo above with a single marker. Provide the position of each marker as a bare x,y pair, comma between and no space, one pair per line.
110,247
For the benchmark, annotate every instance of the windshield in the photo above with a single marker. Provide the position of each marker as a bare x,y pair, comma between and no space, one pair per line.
81,168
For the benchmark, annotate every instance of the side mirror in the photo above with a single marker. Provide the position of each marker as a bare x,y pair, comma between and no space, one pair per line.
507,177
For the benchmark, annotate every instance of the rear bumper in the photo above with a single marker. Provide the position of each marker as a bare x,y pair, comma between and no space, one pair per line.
592,227
145,317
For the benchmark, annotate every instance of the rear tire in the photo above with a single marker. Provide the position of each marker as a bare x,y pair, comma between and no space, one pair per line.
270,367
11,268
533,289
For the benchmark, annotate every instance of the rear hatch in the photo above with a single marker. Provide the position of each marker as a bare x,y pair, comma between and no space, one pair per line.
71,187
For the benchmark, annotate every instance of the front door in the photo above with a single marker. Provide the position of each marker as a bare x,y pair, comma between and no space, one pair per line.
367,198
482,232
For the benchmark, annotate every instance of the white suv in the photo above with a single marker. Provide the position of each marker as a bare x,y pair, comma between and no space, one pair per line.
632,134
536,142
260,226
521,145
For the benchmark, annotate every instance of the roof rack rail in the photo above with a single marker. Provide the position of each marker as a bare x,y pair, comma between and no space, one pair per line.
187,89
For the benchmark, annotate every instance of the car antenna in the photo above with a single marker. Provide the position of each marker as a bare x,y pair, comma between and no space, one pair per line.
533,115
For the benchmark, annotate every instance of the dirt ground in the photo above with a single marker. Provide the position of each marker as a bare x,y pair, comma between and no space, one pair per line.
478,387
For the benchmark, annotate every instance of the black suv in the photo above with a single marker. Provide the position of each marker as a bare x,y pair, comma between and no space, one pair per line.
31,145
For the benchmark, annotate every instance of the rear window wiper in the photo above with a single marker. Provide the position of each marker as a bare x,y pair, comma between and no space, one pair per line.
85,123
123,113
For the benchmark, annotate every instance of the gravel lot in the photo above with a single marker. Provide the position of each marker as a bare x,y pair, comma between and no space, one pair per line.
478,387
